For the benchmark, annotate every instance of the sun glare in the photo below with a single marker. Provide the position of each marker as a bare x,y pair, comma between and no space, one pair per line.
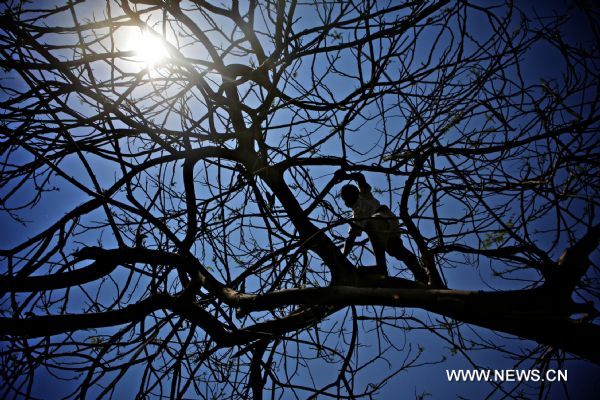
149,49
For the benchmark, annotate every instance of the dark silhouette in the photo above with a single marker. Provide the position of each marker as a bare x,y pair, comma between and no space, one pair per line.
171,227
379,223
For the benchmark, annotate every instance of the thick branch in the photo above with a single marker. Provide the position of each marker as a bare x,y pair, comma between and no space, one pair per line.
530,314
574,262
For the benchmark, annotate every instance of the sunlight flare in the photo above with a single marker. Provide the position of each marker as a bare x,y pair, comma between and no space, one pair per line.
149,48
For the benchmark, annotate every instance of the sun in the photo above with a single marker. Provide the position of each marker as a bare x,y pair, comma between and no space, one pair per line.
148,47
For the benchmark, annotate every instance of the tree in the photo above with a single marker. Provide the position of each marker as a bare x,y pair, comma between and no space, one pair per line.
180,210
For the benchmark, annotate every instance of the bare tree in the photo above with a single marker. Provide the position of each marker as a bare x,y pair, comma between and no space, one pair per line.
181,208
